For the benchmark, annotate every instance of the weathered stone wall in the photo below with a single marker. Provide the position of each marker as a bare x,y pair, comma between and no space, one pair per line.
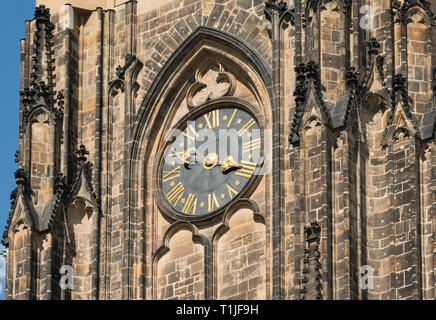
180,274
351,151
79,249
377,200
241,259
333,51
41,176
19,267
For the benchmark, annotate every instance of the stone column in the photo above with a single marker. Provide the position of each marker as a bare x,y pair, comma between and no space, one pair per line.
278,13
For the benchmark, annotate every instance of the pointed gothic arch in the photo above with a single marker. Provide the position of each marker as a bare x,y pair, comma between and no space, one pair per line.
187,235
200,35
204,48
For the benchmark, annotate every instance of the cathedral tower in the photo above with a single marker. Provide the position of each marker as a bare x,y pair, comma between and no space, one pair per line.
324,186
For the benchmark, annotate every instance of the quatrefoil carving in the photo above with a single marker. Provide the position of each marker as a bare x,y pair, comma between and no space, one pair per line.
212,83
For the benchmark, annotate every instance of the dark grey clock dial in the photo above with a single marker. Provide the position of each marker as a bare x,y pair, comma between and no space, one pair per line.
211,161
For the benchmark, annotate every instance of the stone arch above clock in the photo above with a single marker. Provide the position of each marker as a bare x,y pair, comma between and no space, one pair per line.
211,66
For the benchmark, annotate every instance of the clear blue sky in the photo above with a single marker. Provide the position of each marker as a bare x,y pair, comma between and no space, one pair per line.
13,15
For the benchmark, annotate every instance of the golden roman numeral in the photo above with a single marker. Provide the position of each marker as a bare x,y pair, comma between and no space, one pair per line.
187,135
190,205
247,126
215,117
231,192
212,202
246,170
175,194
231,118
171,175
182,155
251,145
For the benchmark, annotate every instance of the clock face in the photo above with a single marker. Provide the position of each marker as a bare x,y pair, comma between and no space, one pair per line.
210,162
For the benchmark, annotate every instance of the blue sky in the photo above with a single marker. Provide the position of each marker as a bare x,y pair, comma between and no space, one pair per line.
12,29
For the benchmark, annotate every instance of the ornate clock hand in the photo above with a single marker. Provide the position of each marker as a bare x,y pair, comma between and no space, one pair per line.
229,163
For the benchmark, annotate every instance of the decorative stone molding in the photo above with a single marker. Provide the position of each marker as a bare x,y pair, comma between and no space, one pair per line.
400,122
82,184
434,81
312,277
117,83
277,11
308,84
40,93
212,83
312,6
63,194
374,80
352,78
22,189
402,11
60,186
400,95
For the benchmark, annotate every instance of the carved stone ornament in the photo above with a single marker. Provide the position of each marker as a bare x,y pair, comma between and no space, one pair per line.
280,9
209,85
434,81
40,92
402,12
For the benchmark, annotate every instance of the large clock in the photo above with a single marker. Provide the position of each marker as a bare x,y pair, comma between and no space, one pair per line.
210,162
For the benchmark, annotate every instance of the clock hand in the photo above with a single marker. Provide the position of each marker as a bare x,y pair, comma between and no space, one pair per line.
229,163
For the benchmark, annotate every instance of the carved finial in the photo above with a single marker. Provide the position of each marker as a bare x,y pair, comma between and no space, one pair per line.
17,156
312,70
352,77
42,13
279,8
426,4
20,176
399,83
434,81
312,232
300,88
277,5
373,46
300,70
82,153
59,183
119,72
40,90
13,196
60,97
128,57
312,265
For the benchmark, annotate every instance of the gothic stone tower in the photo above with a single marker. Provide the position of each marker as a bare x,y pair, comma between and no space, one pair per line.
337,172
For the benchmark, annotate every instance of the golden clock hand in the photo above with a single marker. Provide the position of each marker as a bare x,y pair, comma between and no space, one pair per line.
229,163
